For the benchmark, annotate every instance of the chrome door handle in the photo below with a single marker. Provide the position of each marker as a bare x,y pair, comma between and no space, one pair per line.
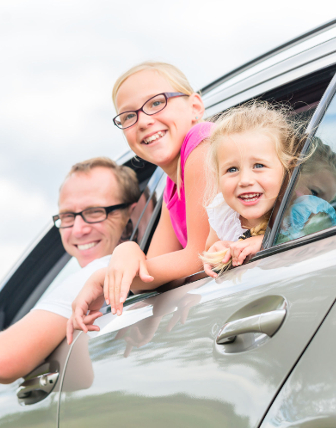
267,323
35,389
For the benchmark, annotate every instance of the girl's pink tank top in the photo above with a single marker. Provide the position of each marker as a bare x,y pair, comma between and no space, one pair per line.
177,206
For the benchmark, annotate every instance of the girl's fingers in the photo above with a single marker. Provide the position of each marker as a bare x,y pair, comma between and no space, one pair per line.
227,256
106,288
243,255
111,293
115,291
125,287
208,270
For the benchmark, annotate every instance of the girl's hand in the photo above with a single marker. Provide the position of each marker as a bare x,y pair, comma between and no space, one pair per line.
241,249
90,299
127,261
217,246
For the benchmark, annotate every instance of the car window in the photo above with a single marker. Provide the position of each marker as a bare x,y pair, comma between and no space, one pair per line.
311,206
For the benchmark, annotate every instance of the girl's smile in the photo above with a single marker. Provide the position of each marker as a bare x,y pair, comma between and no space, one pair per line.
249,198
157,138
250,174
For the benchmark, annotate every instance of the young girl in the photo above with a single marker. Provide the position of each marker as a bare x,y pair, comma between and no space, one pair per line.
251,148
159,113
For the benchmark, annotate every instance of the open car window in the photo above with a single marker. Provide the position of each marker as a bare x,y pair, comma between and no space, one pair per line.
312,202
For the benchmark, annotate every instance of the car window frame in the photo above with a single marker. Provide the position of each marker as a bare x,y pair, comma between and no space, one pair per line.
268,244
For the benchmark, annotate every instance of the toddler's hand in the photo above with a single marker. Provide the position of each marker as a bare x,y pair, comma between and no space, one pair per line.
241,249
216,247
127,261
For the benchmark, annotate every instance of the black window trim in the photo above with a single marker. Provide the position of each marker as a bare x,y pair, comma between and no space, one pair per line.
271,233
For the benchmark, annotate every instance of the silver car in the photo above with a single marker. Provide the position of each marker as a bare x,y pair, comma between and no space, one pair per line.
253,348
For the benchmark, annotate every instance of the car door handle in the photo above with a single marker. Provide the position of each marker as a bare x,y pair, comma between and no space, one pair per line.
267,323
37,388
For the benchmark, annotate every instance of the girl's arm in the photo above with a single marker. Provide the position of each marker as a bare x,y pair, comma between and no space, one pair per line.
166,259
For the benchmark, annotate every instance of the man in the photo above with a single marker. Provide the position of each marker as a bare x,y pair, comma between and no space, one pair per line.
95,204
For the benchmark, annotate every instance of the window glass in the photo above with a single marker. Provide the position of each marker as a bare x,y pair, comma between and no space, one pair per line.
313,201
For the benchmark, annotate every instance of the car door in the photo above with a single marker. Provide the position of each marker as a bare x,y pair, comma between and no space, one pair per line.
307,399
213,352
33,401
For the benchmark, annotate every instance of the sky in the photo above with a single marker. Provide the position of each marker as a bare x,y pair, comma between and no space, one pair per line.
59,60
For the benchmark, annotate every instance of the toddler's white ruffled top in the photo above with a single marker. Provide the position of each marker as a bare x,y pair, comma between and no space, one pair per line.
224,220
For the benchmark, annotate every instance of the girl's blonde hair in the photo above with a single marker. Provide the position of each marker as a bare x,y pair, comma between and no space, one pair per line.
261,116
174,75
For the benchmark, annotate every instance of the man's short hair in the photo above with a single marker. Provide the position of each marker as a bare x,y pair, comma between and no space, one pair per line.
125,176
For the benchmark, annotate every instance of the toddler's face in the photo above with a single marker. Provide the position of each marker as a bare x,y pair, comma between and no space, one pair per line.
250,174
321,183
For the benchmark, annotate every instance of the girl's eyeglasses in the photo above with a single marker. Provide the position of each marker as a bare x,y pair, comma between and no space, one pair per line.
153,105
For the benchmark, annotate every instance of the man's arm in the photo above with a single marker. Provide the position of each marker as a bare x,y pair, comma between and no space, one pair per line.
25,344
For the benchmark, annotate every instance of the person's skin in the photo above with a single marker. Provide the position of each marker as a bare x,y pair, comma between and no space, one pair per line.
86,242
25,344
129,267
250,177
321,184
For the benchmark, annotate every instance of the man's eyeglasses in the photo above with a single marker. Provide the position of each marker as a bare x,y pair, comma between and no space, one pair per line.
89,215
153,105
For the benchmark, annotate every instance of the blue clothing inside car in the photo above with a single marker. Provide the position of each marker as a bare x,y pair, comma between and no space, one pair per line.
302,211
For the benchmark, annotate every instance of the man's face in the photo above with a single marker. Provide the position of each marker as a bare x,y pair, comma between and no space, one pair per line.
98,188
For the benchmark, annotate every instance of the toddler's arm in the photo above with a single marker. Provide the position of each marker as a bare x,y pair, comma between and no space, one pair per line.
220,253
240,250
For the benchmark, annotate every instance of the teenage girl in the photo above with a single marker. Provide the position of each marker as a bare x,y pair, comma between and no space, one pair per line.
160,116
251,148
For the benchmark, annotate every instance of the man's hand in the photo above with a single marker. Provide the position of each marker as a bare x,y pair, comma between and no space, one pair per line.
90,299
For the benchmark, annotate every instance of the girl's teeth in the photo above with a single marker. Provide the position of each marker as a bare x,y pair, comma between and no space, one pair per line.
86,246
153,137
250,197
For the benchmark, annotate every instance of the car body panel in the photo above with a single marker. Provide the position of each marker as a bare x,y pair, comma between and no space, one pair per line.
166,372
14,413
308,398
283,66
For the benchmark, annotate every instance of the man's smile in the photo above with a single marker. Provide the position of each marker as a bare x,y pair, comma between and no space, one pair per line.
83,247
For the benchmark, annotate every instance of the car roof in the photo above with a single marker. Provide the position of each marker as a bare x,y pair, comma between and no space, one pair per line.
306,54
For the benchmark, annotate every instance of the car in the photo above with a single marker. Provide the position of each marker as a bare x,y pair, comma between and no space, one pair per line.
252,348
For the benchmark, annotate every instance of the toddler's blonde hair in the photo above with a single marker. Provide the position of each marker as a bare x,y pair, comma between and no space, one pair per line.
274,121
174,75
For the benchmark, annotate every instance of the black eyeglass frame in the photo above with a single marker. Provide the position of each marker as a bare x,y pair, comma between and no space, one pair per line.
167,95
108,210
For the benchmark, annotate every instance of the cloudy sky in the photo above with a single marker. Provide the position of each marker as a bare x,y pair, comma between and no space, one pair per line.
59,60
